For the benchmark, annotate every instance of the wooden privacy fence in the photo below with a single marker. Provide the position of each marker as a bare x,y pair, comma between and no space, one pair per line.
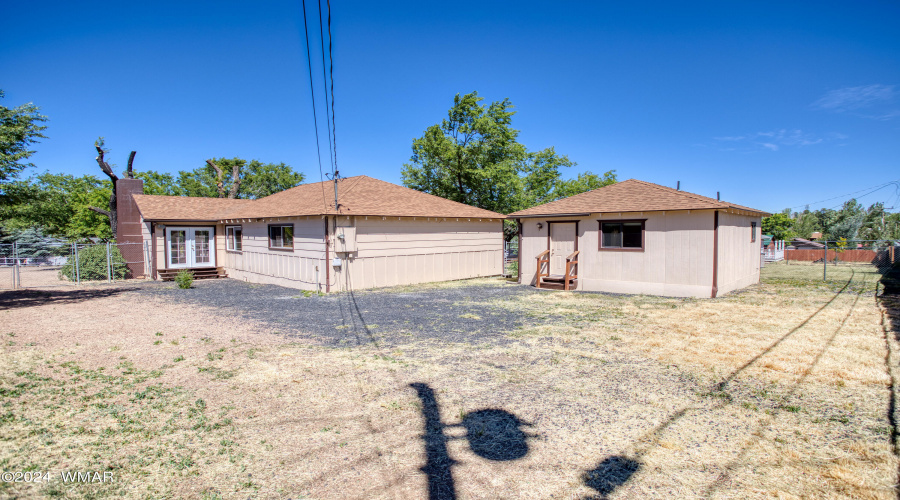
881,257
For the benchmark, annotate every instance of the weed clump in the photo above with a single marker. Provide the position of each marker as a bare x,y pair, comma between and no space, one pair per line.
184,279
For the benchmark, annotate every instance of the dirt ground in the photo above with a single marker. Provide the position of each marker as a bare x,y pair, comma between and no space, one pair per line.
774,392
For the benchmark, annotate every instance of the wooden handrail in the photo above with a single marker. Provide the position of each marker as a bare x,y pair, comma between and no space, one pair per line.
570,265
540,263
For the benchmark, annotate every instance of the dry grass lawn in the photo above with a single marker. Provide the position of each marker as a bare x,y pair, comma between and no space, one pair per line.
775,392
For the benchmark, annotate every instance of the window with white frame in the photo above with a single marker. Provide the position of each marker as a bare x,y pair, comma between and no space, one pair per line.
233,238
281,236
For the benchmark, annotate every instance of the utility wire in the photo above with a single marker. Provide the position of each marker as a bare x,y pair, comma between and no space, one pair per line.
879,186
312,93
325,84
896,184
331,71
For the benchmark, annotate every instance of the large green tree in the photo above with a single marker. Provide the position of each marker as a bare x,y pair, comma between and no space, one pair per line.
254,179
780,226
20,127
852,222
473,157
59,204
160,183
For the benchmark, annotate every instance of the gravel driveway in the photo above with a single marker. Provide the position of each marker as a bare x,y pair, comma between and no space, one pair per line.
382,317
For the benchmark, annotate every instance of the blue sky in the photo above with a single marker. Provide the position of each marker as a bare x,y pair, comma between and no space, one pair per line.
775,104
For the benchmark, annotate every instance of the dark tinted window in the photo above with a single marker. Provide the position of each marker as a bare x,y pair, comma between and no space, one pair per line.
622,234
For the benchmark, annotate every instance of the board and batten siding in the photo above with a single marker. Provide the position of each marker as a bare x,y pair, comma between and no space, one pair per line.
148,241
677,259
257,263
407,251
739,253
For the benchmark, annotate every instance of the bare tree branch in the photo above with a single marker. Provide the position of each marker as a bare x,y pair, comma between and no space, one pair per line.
220,178
235,180
100,211
102,162
129,173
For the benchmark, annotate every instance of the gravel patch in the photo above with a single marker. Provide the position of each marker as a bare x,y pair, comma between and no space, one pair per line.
385,317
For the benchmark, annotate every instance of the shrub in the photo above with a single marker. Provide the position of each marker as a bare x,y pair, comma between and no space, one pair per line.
92,264
184,278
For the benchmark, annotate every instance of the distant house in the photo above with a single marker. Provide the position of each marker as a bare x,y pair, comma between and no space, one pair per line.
639,237
380,234
802,244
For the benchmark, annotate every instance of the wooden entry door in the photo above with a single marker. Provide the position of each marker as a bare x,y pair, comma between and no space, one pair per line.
190,247
562,244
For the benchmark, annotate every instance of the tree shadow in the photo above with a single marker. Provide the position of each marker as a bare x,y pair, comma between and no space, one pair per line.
17,299
890,324
492,433
496,434
609,474
890,279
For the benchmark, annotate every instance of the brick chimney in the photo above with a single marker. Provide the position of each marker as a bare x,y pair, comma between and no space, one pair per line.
129,235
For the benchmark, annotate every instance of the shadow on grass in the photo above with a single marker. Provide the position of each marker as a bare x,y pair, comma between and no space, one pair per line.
889,301
890,279
17,299
610,474
492,433
615,471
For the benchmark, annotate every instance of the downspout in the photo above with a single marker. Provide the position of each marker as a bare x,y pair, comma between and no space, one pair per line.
153,250
327,260
715,280
519,253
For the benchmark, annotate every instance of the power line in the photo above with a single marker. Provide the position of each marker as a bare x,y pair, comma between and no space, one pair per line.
325,85
896,185
312,93
331,71
879,186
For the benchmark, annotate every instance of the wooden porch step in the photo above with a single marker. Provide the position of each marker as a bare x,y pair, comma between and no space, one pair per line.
200,273
556,278
558,285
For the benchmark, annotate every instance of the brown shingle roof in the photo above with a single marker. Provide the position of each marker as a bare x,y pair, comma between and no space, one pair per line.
629,196
360,195
155,207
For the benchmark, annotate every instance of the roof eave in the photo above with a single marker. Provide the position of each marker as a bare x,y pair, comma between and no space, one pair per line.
535,216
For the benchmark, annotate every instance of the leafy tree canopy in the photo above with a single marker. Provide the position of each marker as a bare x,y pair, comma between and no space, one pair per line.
852,222
20,127
473,157
780,226
58,203
257,179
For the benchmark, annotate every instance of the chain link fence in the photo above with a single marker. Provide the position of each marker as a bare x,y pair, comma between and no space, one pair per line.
511,258
45,264
855,262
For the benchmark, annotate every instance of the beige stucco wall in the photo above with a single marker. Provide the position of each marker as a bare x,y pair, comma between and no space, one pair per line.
400,251
738,255
677,259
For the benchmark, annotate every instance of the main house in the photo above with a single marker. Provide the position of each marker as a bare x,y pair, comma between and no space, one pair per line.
639,237
379,234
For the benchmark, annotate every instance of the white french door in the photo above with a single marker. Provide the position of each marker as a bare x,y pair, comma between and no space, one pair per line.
190,247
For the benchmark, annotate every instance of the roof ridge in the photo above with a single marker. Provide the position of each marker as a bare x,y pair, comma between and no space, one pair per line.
682,193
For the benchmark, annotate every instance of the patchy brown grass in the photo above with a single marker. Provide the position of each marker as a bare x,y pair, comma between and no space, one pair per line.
774,392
